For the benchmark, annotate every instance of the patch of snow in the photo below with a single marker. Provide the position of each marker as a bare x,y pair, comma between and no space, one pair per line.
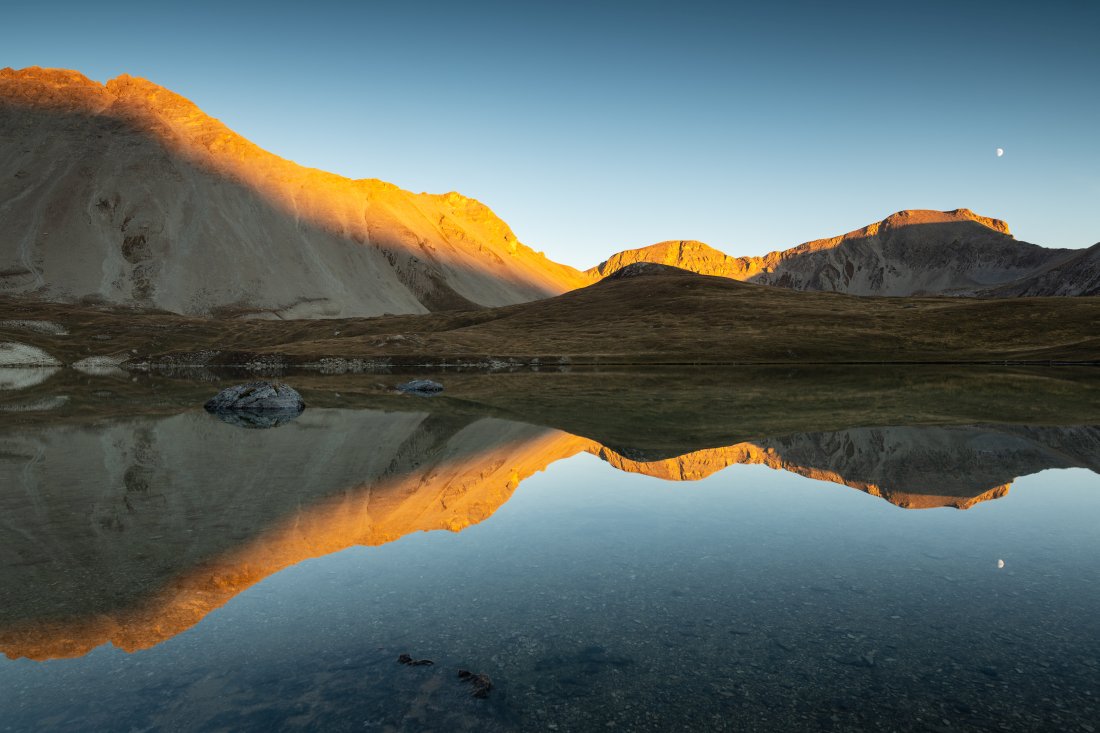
15,354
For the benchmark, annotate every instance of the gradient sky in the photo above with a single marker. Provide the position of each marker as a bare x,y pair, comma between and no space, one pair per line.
594,127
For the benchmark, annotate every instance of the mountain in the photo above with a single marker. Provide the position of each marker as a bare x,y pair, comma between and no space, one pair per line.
127,193
685,254
908,253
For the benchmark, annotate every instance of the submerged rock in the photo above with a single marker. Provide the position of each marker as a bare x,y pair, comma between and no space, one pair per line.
480,682
257,397
409,661
421,386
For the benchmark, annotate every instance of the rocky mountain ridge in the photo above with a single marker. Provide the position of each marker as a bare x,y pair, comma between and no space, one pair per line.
919,252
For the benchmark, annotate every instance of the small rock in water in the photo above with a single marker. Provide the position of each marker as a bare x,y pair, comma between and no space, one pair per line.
421,386
407,660
257,404
481,682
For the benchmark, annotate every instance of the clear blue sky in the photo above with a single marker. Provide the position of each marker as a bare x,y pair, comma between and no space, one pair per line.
593,127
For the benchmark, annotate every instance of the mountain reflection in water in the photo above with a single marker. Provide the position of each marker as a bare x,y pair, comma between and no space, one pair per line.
130,531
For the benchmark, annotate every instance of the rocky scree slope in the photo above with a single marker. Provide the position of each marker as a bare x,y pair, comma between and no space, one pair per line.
1077,275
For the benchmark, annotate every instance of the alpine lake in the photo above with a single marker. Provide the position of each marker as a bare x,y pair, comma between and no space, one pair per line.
843,548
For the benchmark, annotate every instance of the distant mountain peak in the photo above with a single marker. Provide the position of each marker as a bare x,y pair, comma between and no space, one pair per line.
647,269
684,254
910,252
909,217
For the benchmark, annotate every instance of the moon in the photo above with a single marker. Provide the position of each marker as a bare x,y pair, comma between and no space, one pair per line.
1000,152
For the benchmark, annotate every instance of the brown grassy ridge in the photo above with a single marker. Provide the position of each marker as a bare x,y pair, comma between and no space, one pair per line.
667,316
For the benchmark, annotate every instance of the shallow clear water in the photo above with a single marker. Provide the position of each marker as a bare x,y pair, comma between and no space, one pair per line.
229,563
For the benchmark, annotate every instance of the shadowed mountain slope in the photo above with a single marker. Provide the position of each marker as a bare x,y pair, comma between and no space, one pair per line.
909,253
1078,275
127,193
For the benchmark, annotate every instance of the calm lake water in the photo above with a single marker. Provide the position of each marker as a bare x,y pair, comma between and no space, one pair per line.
176,572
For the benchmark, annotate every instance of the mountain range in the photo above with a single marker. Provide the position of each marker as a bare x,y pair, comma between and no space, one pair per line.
126,193
908,253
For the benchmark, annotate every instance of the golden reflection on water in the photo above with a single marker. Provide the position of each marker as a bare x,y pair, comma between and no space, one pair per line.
132,531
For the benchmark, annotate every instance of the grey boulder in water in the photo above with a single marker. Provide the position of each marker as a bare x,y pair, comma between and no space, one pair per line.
421,387
257,397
